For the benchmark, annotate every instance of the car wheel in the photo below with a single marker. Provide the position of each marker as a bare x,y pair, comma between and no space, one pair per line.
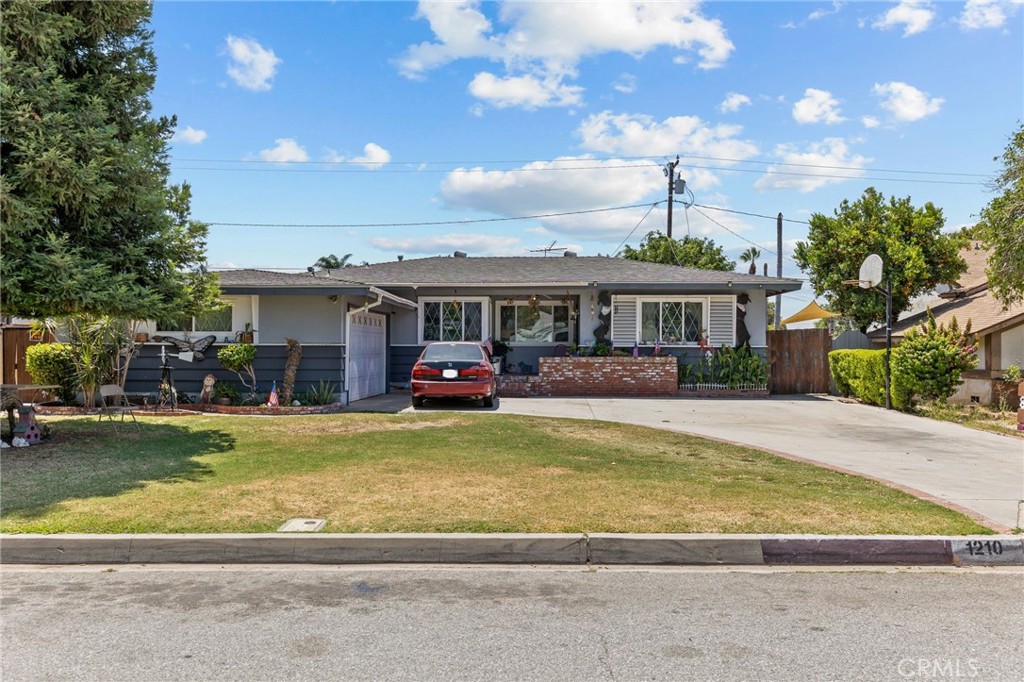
417,401
489,400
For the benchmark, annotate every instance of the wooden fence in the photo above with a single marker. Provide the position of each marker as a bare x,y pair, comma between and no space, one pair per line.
799,360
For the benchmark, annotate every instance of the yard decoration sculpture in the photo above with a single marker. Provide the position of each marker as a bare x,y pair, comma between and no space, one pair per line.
742,334
604,316
27,429
196,348
207,395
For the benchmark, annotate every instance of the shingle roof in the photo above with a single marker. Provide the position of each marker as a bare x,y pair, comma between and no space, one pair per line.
268,278
981,308
446,270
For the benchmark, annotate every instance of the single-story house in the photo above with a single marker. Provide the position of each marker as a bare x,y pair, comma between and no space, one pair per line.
363,328
1000,331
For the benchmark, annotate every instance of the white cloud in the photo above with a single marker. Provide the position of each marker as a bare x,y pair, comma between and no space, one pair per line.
374,156
980,14
905,102
832,151
817,106
252,65
914,16
732,102
473,244
641,135
626,83
870,121
822,13
545,41
189,135
527,92
286,150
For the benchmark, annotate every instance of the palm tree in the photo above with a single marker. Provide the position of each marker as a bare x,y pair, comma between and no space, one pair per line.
332,262
750,256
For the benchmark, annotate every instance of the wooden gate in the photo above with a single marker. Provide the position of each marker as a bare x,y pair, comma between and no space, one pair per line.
14,341
799,360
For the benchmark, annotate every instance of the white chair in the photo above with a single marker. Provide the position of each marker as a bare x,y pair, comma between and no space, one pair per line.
113,402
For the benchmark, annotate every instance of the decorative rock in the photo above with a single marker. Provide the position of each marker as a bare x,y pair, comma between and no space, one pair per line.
19,443
4,444
296,403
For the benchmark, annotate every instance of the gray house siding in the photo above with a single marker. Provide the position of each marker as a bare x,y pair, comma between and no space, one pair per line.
310,319
318,362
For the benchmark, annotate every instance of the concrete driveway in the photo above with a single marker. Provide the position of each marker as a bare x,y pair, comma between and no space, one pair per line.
983,473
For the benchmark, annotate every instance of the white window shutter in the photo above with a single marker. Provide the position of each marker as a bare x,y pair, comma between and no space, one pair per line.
624,321
722,321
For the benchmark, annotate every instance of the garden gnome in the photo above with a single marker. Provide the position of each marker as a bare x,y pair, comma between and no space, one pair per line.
208,381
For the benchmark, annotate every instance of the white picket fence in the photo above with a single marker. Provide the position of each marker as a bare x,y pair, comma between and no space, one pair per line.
723,387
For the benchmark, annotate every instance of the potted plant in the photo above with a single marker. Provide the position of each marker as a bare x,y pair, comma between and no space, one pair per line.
225,394
1012,387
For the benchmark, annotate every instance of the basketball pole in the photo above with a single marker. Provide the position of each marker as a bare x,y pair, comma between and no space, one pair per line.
888,345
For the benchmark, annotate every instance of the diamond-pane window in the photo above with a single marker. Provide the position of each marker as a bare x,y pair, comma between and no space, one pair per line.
693,320
671,322
473,321
432,321
451,321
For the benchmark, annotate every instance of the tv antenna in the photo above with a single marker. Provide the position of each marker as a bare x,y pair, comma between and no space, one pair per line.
549,248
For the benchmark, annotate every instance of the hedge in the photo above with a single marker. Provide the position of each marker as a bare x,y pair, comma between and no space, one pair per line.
861,374
53,363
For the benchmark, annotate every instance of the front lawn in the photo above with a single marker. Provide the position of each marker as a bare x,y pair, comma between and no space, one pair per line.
439,472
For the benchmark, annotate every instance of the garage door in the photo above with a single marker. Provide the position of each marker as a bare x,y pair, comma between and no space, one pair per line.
366,371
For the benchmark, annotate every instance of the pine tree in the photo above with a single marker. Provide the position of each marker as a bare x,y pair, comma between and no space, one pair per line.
90,223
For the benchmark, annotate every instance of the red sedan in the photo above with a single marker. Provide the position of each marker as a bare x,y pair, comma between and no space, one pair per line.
453,370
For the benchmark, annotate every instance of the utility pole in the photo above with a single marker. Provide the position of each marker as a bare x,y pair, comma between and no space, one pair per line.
670,172
778,269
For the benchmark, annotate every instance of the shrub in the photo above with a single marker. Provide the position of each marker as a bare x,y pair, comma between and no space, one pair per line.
319,395
859,373
931,358
53,363
731,367
223,389
238,357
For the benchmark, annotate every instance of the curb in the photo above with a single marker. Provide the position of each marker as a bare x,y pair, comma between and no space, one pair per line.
517,548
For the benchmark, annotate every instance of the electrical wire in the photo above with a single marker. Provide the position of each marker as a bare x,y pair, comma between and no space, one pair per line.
635,227
754,215
732,232
410,170
344,162
468,221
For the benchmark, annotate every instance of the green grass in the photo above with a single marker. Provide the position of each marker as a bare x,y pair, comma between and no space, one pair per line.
998,419
439,472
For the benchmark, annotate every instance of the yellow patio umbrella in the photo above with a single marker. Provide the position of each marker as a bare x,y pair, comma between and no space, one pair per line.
813,311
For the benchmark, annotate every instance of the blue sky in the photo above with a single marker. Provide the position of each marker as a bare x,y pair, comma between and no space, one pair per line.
389,112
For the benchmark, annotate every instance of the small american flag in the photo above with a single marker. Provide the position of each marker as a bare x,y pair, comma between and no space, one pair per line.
272,398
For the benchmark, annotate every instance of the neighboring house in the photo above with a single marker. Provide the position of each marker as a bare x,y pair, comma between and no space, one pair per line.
1000,331
366,330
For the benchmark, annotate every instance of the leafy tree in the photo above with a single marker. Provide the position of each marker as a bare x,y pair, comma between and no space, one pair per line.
916,254
688,252
1002,225
90,224
750,256
332,262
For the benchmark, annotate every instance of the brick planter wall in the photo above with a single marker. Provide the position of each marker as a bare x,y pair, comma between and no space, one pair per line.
609,376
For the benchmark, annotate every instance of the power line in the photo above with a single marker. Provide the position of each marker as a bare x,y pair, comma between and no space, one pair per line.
755,215
348,162
433,222
735,234
616,252
409,170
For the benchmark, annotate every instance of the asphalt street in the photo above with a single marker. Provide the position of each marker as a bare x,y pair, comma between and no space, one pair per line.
462,623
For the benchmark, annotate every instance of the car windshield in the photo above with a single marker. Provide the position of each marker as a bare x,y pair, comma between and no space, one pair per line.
453,351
